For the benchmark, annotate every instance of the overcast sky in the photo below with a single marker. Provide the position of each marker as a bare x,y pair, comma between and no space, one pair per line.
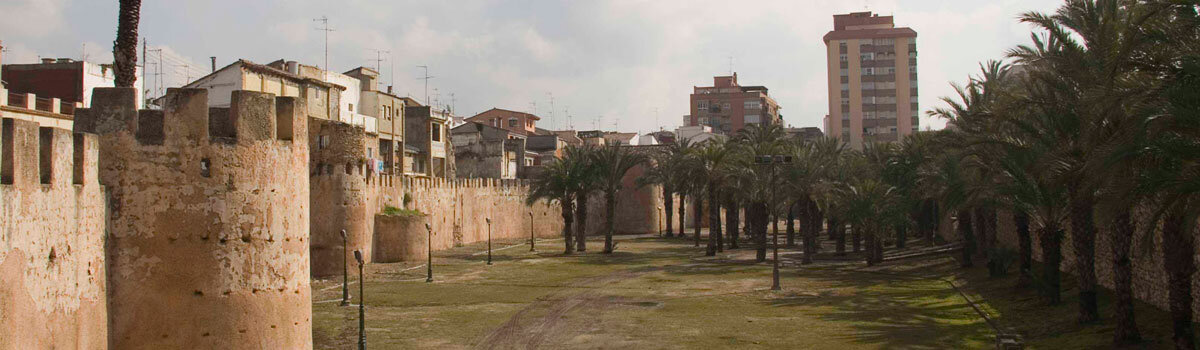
617,60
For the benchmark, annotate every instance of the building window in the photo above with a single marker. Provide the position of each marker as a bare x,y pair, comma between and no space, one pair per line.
496,122
868,71
702,105
512,122
846,87
752,118
842,58
752,105
352,107
867,56
842,47
322,141
435,132
844,72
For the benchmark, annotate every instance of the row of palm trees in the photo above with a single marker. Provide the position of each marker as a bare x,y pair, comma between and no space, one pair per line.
577,175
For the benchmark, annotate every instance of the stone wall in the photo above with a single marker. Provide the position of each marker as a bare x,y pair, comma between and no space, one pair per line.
636,211
400,238
457,209
340,197
52,273
207,234
1149,277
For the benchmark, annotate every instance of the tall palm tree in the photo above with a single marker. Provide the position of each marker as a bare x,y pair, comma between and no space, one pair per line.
557,183
760,140
587,183
125,47
711,160
611,163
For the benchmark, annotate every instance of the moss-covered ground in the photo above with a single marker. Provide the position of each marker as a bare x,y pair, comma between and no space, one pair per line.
661,293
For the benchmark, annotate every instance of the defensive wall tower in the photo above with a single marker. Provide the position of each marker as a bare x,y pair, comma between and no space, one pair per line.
52,273
342,197
208,220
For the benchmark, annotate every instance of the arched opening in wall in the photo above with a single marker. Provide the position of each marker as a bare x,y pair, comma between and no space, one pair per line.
45,154
349,168
6,151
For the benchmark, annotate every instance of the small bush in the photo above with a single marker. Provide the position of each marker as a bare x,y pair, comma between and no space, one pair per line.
407,199
394,211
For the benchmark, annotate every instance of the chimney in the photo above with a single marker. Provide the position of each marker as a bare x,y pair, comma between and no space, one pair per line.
214,63
293,67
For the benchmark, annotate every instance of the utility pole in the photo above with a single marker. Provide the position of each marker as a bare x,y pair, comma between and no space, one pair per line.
426,78
143,67
158,72
325,28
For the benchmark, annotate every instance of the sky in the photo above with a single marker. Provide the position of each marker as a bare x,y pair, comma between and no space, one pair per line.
614,64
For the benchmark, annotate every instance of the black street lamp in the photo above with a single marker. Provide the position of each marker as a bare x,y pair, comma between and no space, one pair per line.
660,219
345,270
429,253
531,232
773,161
362,304
489,224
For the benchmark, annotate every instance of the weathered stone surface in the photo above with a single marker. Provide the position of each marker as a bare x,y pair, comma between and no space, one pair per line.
341,197
52,273
400,238
207,241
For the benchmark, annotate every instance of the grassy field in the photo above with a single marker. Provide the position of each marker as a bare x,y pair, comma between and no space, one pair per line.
656,293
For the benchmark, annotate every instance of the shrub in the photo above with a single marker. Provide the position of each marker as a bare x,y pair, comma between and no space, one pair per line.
394,211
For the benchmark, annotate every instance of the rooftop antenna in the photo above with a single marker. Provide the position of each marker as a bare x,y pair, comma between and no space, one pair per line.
426,78
379,59
570,121
83,53
656,119
325,28
552,109
596,122
731,65
452,100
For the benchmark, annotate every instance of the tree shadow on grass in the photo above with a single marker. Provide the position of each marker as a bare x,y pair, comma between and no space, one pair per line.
892,312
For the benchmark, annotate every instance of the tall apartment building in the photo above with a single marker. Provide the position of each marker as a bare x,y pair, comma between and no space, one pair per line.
727,107
872,79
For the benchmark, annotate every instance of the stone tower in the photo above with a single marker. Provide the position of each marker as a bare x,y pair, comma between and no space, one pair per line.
208,220
343,197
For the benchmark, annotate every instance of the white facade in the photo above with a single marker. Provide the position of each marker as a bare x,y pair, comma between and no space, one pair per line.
695,134
349,103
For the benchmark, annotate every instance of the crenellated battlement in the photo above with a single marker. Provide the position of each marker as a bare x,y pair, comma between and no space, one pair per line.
32,155
186,118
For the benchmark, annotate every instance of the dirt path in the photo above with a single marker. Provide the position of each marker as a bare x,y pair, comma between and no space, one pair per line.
543,319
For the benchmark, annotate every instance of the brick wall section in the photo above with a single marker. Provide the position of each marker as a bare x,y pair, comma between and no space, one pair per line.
52,273
207,242
1149,278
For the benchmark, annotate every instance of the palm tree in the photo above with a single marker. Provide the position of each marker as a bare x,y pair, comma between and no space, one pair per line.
611,163
663,172
557,183
678,152
125,47
760,140
711,160
587,183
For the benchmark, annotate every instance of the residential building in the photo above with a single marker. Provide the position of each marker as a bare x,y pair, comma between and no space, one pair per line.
728,107
65,79
349,101
518,122
592,137
321,98
426,141
695,134
621,138
810,133
387,109
485,151
872,75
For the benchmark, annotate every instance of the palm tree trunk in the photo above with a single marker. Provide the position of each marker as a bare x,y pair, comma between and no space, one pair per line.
125,47
968,236
791,225
760,231
581,212
870,245
1051,238
980,232
715,227
810,225
682,215
1125,331
1178,259
567,216
818,218
699,215
714,220
1021,219
855,237
610,211
669,207
1083,239
731,221
838,231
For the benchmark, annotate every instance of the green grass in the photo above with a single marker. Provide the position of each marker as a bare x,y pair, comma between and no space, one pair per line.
394,211
663,293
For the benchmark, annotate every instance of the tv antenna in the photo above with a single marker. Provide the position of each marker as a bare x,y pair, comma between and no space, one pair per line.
426,78
325,28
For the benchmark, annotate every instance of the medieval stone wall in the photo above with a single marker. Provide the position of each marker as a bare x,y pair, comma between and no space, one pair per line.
208,223
1149,276
52,273
340,198
457,210
636,211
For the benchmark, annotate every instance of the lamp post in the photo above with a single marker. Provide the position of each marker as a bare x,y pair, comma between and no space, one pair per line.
772,161
429,253
362,304
489,224
531,232
345,270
